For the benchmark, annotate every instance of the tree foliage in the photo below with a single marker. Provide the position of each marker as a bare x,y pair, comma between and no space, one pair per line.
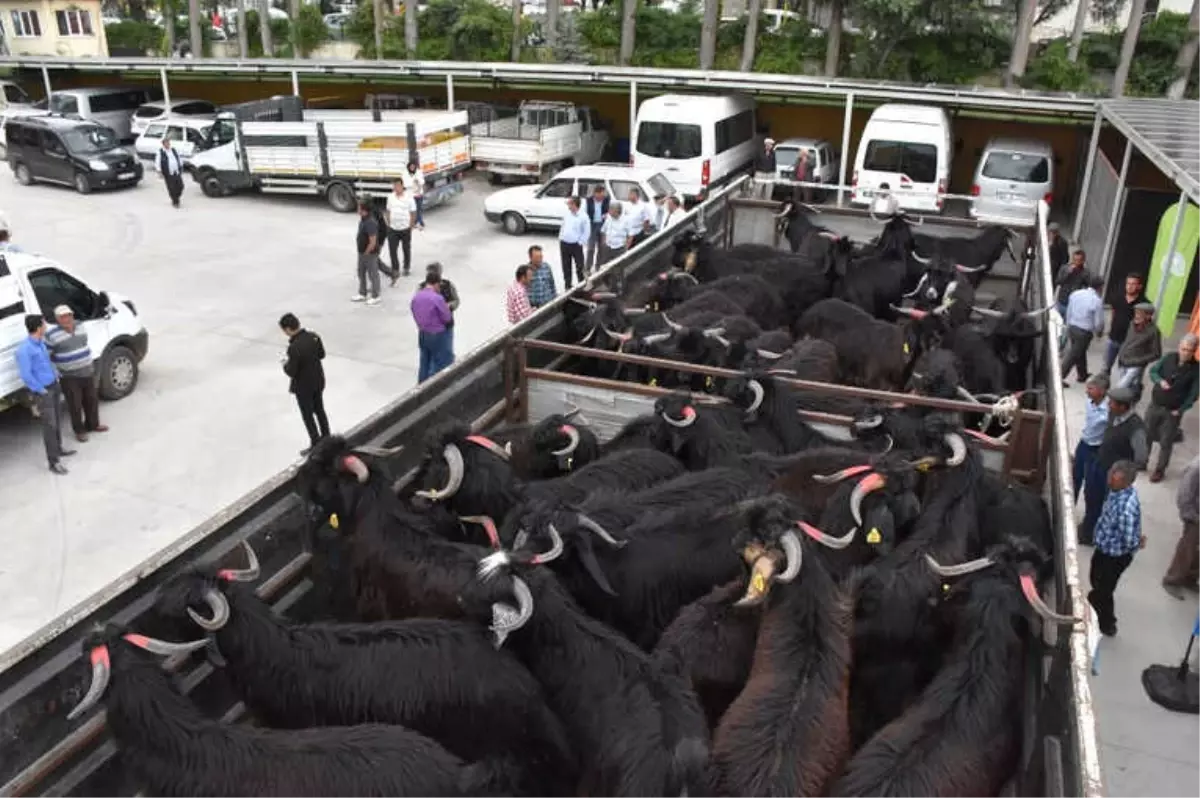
450,30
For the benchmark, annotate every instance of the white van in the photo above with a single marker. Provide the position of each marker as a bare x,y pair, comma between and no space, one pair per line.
909,148
111,106
1012,176
699,142
31,283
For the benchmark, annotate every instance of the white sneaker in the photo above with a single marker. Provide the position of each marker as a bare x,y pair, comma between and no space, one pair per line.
357,298
373,300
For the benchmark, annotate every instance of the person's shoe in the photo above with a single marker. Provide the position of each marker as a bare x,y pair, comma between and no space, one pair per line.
99,428
58,468
1110,630
357,298
407,273
81,437
373,300
66,452
394,276
1174,591
1157,476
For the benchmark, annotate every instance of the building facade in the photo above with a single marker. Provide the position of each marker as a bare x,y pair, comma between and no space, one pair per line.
52,27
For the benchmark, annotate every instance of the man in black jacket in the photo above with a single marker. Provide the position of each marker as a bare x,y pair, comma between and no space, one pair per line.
596,208
303,364
1122,316
1176,381
765,170
1124,439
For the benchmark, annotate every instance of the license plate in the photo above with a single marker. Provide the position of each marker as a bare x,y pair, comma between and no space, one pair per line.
125,176
1007,197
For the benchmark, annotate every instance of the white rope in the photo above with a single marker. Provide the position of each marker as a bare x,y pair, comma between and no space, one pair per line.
1002,410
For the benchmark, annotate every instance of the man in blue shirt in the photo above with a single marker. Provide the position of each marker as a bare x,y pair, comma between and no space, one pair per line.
573,236
1095,420
1084,320
39,376
1118,536
596,208
542,290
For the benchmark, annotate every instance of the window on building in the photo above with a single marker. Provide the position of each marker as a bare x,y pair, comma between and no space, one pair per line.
26,24
74,22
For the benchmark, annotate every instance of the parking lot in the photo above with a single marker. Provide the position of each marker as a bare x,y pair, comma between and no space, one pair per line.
211,417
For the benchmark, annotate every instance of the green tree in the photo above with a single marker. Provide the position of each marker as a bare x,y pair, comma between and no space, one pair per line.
451,30
144,37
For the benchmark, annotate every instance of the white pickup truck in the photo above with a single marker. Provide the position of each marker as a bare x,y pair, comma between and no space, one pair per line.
538,141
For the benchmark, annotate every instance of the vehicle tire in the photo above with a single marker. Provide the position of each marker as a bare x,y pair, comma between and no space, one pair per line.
495,179
211,185
24,176
341,197
82,184
118,373
514,223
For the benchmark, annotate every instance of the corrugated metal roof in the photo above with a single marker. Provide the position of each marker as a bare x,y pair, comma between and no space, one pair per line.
1166,132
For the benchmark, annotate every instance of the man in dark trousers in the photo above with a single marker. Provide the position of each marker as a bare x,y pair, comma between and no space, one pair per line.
303,364
1118,537
1070,278
1124,439
1060,252
1175,379
1122,316
41,380
804,174
596,208
450,294
171,168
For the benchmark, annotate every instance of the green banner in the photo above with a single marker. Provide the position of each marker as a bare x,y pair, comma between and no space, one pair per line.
1177,264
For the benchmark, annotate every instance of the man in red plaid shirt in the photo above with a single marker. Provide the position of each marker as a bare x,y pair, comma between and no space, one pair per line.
516,300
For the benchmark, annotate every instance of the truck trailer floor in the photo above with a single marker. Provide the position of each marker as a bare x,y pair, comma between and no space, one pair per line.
211,417
1144,749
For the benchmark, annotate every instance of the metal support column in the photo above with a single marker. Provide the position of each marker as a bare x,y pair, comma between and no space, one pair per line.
1110,236
632,116
295,83
1165,269
1087,175
166,87
46,83
847,118
449,92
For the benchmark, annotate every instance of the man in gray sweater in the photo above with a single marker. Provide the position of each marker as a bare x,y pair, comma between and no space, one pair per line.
1184,570
1142,346
71,356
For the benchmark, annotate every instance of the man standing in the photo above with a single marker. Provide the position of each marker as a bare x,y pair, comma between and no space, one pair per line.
1118,537
401,216
764,170
1176,381
171,168
6,244
368,256
674,212
1070,278
804,174
573,236
1122,317
1184,570
1059,251
637,217
432,316
542,290
303,365
516,299
1085,318
597,208
69,352
1124,439
415,183
615,233
1143,346
450,294
33,362
1095,421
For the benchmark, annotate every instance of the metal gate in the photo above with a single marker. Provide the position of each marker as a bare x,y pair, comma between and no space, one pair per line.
1097,211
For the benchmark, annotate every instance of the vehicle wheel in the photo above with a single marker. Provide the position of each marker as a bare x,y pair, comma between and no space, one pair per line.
341,197
513,223
211,185
82,184
118,373
23,175
495,179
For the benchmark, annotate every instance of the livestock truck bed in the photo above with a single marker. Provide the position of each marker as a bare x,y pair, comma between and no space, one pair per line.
521,375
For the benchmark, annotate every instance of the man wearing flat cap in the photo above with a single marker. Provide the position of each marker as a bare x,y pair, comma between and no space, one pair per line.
71,355
1142,346
765,170
1124,439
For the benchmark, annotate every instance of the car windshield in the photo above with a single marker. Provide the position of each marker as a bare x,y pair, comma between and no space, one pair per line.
661,186
669,140
148,111
85,140
916,160
1017,167
786,156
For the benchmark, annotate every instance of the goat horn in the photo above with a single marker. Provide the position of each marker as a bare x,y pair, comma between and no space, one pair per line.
838,476
1029,588
1032,313
591,334
919,259
761,574
599,531
979,435
965,394
572,441
219,606
671,324
958,448
505,619
584,302
101,672
489,526
356,467
657,338
995,314
715,332
634,311
492,563
827,234
869,423
454,460
622,337
756,388
689,417
793,556
825,539
792,372
912,313
969,269
686,276
247,574
868,484
768,355
164,648
891,442
556,547
811,208
962,569
602,295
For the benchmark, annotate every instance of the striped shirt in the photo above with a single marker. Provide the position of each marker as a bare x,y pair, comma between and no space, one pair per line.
69,351
1119,530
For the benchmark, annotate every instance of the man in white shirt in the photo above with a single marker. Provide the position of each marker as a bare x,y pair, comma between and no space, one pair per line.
171,168
637,216
573,236
401,215
414,182
885,205
673,212
614,235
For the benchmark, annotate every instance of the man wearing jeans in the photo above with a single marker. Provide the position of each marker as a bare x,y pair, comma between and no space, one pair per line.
1095,421
596,208
432,315
71,355
33,362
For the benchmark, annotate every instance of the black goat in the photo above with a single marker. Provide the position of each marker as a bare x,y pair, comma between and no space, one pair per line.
553,447
774,409
871,353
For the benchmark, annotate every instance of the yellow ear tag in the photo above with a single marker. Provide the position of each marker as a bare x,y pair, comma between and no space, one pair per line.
333,521
708,382
945,588
758,583
923,467
906,347
653,383
874,537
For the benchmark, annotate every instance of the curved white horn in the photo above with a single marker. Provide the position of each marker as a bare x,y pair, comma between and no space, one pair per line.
958,448
962,569
870,423
247,574
995,314
591,334
556,547
868,484
757,389
768,355
686,276
163,648
919,259
101,672
622,337
761,574
219,606
356,467
671,324
1029,588
825,539
1032,313
891,442
793,554
657,338
572,441
838,476
689,418
584,302
506,619
454,460
599,531
969,269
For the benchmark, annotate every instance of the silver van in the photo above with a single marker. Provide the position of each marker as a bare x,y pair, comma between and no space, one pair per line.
1012,175
111,106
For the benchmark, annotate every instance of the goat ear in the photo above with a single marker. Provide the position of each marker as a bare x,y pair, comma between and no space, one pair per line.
590,564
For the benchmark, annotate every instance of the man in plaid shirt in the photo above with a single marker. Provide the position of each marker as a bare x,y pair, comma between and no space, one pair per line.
516,300
1117,537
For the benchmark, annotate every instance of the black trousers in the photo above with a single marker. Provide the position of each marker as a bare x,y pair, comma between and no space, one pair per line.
404,239
174,187
312,411
1078,342
83,403
571,253
1104,574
